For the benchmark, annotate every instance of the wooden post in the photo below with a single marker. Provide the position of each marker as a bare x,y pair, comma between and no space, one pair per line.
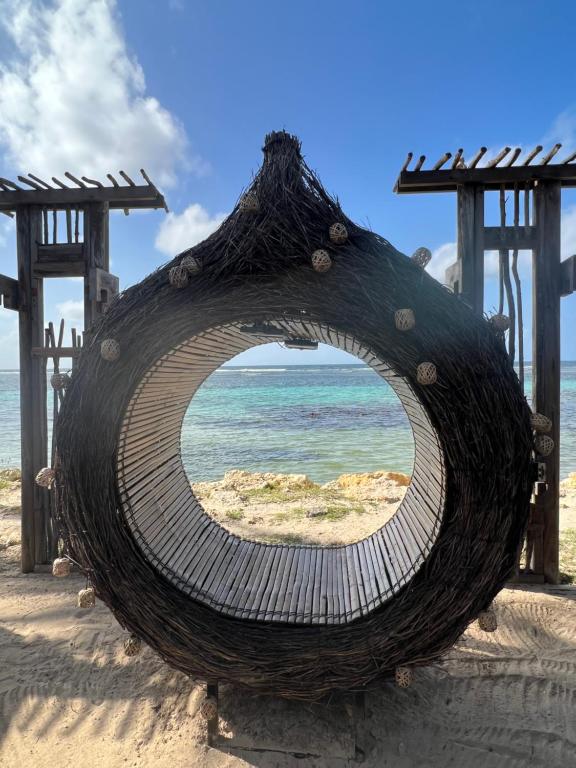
471,245
33,408
546,360
96,254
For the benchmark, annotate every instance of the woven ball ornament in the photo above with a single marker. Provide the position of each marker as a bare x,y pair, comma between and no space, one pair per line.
321,260
191,264
110,350
132,645
544,445
422,257
404,319
500,322
404,677
209,708
45,477
426,374
61,567
487,621
540,423
86,598
59,381
178,276
249,203
338,233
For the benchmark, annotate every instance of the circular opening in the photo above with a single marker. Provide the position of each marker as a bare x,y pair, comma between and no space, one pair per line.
246,578
314,454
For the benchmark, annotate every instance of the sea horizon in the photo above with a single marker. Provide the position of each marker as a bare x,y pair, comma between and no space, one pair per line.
317,419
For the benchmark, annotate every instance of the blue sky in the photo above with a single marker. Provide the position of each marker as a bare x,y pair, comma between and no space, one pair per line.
187,89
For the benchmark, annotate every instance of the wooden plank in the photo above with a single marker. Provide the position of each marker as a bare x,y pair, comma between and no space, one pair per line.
9,292
36,522
510,238
47,352
546,361
568,276
450,179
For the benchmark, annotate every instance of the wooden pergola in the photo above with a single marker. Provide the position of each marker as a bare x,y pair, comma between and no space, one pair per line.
62,231
536,185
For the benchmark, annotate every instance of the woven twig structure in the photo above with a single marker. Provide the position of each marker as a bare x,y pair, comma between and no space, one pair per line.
295,620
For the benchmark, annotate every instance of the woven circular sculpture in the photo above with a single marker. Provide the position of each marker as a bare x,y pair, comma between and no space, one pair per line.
296,620
426,374
404,677
132,645
487,621
249,203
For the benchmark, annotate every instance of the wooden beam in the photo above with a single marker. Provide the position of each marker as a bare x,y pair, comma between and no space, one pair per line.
138,196
568,276
546,289
48,352
9,296
470,204
509,238
96,258
103,286
35,519
449,179
453,276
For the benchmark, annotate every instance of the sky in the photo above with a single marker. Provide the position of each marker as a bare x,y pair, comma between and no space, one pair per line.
187,89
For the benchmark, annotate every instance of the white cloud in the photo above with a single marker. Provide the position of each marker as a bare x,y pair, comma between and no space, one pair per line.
445,255
71,311
74,98
442,258
179,231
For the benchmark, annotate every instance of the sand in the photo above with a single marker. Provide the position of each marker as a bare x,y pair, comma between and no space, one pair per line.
69,696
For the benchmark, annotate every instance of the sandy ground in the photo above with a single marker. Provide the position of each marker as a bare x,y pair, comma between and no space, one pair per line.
70,697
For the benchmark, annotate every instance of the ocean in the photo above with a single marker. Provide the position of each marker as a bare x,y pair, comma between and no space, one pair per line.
321,421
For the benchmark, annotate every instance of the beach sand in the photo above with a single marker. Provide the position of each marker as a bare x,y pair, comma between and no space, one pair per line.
70,697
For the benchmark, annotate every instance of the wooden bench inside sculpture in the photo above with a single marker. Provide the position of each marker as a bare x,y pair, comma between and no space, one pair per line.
296,620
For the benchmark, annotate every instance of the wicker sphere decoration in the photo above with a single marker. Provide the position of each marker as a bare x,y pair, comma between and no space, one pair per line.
338,233
321,260
249,203
178,276
61,567
132,646
45,478
110,350
426,374
544,445
422,256
500,322
59,381
86,598
540,423
191,264
404,319
209,708
404,676
205,598
487,621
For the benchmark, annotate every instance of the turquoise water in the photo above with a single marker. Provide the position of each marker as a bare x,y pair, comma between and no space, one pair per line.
320,421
